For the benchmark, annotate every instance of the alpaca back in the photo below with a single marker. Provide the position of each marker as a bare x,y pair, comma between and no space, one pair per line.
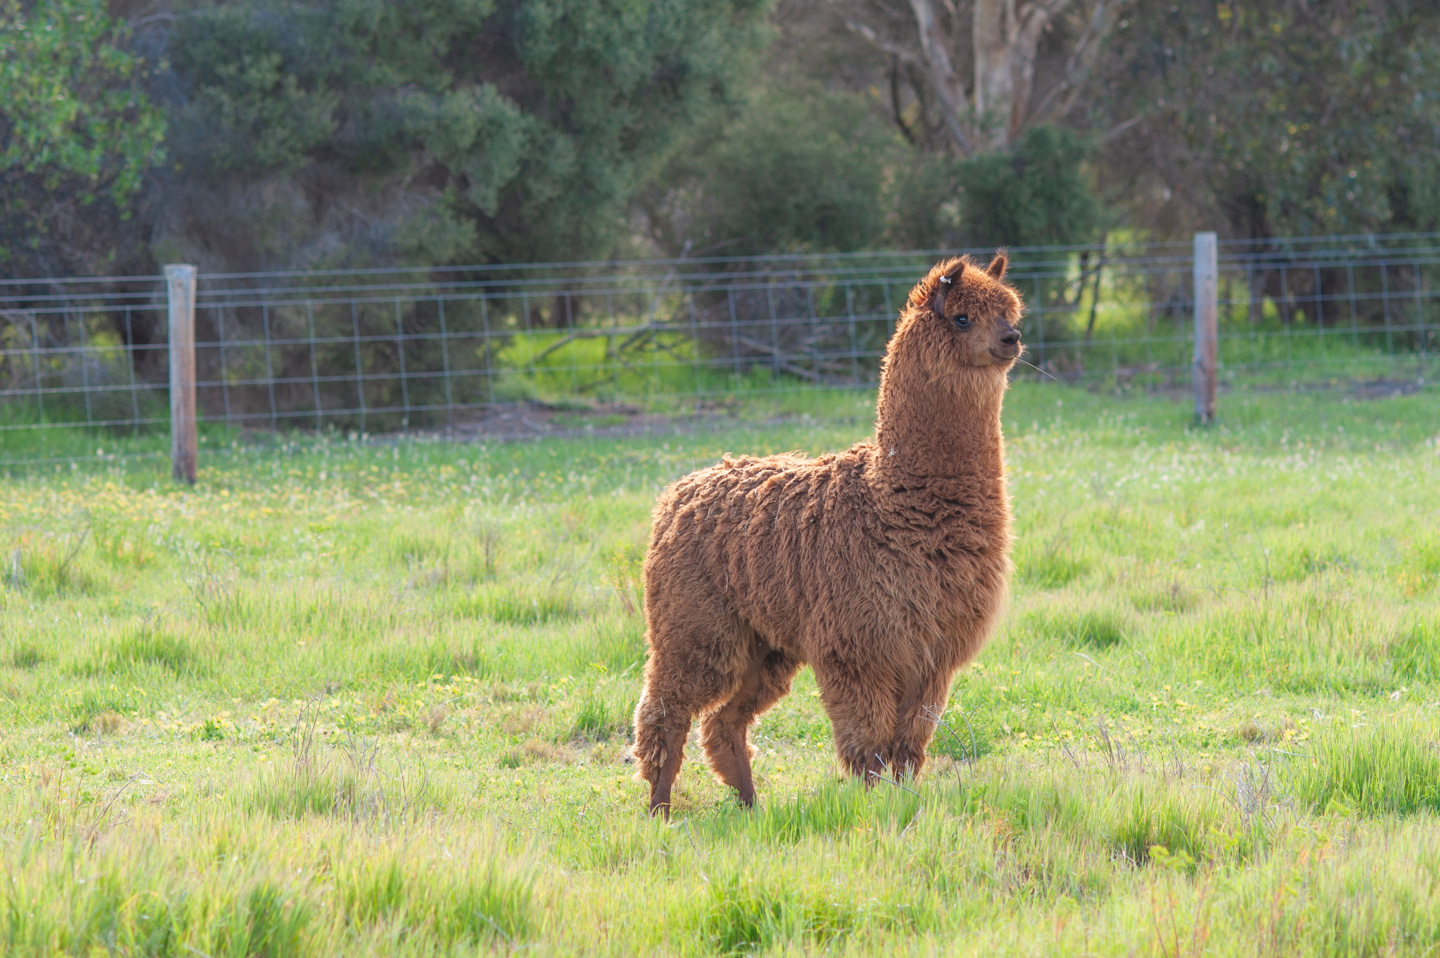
806,550
756,529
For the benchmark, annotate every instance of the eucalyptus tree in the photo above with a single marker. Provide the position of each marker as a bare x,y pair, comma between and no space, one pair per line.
77,136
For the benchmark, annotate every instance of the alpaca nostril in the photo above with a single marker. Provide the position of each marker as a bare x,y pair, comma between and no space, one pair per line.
1010,338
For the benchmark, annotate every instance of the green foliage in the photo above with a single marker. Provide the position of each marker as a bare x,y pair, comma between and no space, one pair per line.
252,115
73,114
1415,652
481,904
794,172
1038,194
76,127
1050,565
25,655
601,717
1086,628
528,150
299,134
142,648
829,811
365,766
926,201
1280,119
815,170
519,605
50,563
748,915
267,922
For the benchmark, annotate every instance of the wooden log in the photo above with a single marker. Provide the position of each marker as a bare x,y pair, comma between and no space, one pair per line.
184,439
1206,318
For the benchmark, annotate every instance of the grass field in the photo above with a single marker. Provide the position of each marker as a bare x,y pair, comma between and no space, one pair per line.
350,698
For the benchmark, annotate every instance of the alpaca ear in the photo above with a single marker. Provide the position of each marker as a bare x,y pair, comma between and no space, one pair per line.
943,287
998,265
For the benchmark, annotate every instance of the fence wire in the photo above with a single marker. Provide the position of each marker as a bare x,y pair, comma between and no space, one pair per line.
395,349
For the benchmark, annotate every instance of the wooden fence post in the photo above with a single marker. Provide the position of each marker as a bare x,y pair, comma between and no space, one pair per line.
1206,282
180,289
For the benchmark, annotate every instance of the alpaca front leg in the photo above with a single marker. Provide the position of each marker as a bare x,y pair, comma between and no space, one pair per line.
862,715
671,757
724,735
919,715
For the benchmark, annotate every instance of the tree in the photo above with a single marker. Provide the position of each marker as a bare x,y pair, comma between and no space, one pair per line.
1037,194
985,70
77,135
795,170
967,87
1282,119
363,131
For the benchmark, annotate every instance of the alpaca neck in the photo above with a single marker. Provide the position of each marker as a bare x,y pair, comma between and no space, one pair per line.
942,426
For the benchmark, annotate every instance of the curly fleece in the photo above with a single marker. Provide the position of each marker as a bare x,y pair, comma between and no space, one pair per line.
884,567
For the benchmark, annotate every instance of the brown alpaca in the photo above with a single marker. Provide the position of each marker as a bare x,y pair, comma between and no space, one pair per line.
884,567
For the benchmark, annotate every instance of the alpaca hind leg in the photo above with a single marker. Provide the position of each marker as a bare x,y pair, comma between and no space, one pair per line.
725,733
681,680
659,747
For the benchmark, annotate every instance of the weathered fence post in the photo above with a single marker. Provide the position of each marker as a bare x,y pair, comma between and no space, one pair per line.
1206,281
180,289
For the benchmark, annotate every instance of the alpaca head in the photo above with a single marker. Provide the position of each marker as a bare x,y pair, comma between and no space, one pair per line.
968,313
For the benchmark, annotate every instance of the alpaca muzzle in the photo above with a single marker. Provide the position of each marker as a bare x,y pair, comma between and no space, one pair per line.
1009,346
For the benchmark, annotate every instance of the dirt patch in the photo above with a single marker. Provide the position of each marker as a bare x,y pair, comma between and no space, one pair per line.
1388,388
607,420
538,420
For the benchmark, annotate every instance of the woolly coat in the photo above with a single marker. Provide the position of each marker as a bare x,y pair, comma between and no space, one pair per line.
883,566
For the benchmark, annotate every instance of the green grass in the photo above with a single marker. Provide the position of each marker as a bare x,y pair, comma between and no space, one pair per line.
347,697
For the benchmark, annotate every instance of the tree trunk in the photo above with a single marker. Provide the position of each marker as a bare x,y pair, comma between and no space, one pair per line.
941,73
993,37
1006,36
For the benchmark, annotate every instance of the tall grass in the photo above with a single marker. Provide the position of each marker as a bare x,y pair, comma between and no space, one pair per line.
1387,769
352,698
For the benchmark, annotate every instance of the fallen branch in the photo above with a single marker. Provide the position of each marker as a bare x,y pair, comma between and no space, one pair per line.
781,361
635,333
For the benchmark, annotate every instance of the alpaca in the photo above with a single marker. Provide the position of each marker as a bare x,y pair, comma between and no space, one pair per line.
884,567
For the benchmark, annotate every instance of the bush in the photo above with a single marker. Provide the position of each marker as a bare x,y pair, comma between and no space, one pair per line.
1038,194
792,173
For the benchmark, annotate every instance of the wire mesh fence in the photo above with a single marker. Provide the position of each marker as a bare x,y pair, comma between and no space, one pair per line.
396,349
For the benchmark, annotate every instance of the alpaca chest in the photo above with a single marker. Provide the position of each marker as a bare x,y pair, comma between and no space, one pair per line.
953,578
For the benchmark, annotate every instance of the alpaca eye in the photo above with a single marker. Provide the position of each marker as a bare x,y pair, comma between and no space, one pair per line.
962,320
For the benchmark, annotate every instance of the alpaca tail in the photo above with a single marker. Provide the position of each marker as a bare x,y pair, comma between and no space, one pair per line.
660,732
649,749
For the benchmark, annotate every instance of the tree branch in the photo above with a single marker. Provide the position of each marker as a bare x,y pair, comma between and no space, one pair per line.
780,360
905,130
1061,97
868,34
1121,127
941,72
